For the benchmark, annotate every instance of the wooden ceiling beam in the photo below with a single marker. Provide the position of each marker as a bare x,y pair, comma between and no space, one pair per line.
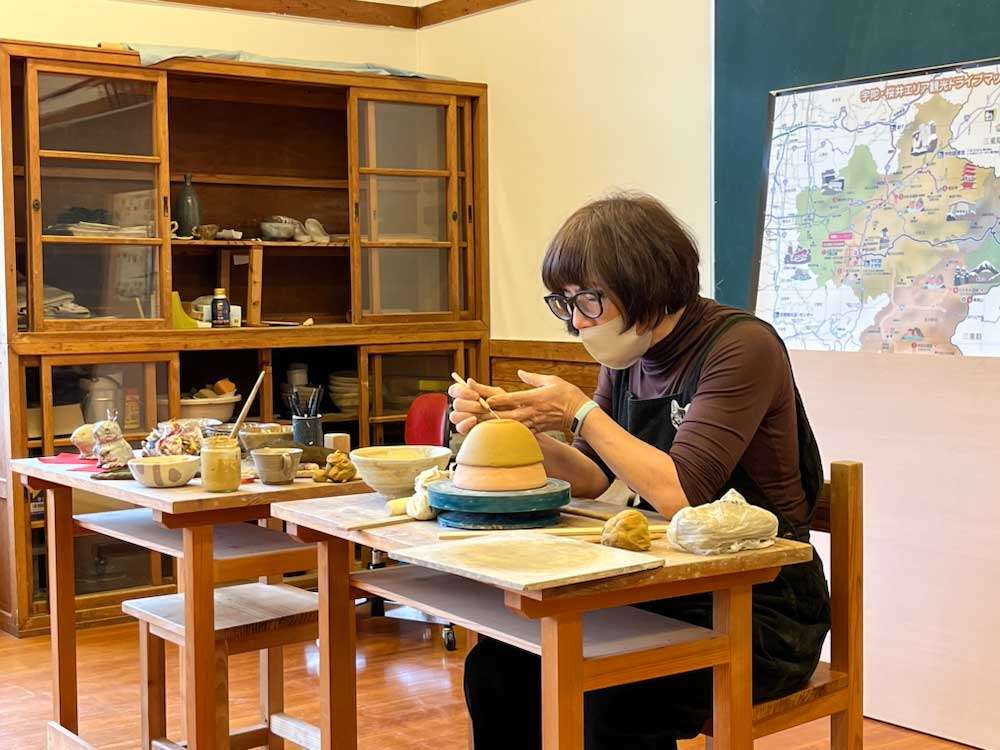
446,10
348,11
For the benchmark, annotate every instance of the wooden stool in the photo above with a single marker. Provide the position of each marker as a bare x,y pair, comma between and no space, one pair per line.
835,689
248,617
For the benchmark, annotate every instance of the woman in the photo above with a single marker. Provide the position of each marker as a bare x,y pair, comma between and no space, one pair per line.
693,398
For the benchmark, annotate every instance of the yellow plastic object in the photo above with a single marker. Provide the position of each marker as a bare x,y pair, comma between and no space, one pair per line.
433,386
180,318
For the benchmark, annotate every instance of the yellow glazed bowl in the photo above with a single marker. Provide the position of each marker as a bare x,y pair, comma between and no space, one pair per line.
391,470
164,471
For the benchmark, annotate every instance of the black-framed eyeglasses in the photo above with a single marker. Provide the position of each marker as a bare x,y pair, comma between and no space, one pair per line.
590,303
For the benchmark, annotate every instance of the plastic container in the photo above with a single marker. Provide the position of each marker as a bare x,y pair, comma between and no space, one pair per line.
220,309
220,408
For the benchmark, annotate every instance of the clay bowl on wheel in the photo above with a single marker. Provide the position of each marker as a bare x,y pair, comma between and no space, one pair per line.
391,469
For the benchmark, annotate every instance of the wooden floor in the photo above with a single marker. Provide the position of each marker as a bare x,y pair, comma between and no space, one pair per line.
409,693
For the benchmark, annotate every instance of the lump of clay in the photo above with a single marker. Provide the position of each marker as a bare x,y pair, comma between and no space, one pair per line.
338,469
84,440
730,524
418,504
499,455
627,530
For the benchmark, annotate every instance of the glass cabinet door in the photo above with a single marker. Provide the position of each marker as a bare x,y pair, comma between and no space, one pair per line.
136,390
98,184
405,187
394,375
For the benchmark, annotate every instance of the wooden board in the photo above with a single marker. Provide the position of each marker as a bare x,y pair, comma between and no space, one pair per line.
528,562
231,541
480,607
327,516
247,607
332,515
187,499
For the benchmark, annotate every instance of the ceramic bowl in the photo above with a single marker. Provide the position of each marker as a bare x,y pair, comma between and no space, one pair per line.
391,469
264,435
273,230
220,407
164,471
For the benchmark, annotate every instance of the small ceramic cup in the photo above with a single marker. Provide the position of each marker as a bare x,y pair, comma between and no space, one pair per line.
206,231
276,465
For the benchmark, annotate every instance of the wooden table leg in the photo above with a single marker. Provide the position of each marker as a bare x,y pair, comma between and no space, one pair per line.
62,604
562,682
199,638
733,687
337,677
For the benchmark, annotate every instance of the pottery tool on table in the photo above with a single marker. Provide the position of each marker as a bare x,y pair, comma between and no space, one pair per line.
376,523
246,407
482,401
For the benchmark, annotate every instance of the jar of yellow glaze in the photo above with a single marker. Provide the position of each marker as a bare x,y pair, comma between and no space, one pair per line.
220,464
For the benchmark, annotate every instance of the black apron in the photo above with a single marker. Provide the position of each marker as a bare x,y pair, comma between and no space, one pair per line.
791,617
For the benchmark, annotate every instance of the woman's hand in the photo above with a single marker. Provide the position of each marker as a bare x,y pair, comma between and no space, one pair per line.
467,412
551,403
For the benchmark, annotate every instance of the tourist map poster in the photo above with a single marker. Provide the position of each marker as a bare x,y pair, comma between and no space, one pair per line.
881,214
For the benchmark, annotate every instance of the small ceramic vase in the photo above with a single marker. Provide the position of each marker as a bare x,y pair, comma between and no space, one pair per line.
187,209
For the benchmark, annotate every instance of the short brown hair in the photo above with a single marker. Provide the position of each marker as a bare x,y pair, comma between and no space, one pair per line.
631,247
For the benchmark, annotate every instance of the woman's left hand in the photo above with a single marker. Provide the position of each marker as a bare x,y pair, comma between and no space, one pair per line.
551,403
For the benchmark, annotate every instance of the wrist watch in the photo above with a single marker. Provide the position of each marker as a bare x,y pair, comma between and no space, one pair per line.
581,414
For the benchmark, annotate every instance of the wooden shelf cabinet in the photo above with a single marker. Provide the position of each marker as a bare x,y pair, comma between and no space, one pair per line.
394,169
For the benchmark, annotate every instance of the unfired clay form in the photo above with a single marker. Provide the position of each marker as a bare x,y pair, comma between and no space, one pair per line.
499,443
499,479
499,455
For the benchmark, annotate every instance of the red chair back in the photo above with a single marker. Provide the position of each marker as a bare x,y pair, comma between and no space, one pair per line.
427,420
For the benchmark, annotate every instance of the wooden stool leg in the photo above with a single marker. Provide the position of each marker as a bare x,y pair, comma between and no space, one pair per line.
272,665
272,691
847,728
152,686
221,696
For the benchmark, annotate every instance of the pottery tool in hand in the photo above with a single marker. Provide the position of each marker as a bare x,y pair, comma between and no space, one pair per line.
246,407
482,401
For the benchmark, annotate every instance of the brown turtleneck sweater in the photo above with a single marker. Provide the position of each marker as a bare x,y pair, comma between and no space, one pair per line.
743,411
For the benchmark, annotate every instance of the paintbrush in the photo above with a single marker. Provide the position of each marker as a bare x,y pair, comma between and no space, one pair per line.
482,401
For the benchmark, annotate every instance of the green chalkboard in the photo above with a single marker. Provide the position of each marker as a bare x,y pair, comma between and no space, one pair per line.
763,45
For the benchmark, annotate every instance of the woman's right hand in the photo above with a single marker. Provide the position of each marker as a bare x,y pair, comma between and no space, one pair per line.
467,411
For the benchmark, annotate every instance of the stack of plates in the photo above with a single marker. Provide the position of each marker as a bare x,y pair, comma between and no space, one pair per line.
344,390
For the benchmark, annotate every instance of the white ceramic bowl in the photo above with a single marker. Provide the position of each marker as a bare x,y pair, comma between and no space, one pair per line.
391,469
164,471
220,408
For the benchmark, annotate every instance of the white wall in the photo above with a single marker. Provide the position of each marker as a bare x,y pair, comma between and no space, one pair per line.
926,429
585,96
88,22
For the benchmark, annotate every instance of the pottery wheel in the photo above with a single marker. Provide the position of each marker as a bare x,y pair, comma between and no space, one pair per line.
511,509
537,519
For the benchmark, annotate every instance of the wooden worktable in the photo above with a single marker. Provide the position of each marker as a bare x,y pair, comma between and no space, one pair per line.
191,509
573,660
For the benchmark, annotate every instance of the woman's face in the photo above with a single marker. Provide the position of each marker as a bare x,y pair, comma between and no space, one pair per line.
610,311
